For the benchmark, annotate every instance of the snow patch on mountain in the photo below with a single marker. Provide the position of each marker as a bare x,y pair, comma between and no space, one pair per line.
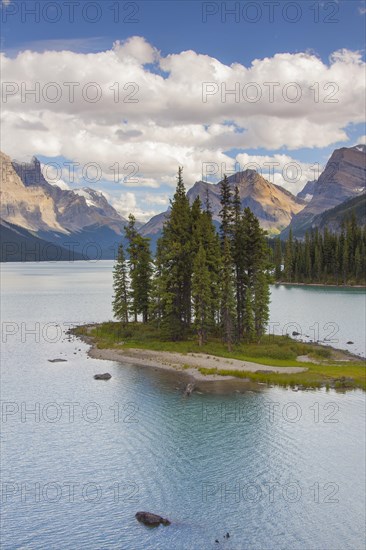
91,196
308,197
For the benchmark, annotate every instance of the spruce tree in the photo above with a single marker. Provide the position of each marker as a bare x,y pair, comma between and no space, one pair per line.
120,286
140,263
261,303
176,262
238,251
327,257
211,244
201,295
277,258
248,319
226,212
288,267
257,267
131,236
156,309
142,280
227,294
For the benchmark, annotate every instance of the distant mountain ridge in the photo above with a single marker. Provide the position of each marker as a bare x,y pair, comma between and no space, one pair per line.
34,211
74,209
333,218
344,178
20,245
80,219
273,205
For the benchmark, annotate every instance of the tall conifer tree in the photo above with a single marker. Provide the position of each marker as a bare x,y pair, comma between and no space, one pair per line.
120,286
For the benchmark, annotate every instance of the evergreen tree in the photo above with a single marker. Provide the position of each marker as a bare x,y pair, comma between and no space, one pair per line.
157,286
120,285
142,281
237,231
345,259
227,294
288,267
140,263
327,257
307,252
176,262
211,244
205,235
277,257
248,321
318,256
208,203
226,212
201,295
358,264
256,303
131,236
261,303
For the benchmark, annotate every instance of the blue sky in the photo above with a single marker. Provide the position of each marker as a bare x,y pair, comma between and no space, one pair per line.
174,26
258,30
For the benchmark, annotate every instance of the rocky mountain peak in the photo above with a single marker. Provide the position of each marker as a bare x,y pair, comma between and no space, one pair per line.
361,148
343,178
30,201
29,172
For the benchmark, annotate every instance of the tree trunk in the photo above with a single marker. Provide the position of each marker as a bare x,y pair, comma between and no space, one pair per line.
200,338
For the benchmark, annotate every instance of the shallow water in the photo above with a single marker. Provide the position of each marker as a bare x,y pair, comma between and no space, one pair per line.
276,469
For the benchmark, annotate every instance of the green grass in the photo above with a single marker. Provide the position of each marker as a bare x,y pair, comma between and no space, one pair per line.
280,351
315,377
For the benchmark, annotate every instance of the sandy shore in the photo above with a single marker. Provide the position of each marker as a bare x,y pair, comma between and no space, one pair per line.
187,364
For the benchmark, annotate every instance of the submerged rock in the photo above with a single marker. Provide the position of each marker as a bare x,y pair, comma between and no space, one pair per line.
105,376
152,520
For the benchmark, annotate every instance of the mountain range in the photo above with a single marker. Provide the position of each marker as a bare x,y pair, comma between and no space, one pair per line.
273,205
81,220
343,178
36,213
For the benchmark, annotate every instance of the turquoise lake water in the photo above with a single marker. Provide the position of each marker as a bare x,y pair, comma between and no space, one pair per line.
276,469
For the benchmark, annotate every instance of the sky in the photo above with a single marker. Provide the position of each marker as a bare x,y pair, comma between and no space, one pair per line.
125,92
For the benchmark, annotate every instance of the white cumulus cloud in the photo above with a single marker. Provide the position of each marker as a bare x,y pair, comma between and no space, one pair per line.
131,110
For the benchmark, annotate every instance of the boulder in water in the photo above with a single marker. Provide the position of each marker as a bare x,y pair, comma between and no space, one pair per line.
152,520
105,376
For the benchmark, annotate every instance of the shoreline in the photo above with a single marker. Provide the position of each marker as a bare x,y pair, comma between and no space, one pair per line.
210,373
180,362
325,285
186,366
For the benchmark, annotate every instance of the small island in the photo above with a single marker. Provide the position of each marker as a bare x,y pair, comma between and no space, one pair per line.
200,308
277,360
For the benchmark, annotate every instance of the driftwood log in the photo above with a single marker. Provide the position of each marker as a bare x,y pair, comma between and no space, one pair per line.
189,389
